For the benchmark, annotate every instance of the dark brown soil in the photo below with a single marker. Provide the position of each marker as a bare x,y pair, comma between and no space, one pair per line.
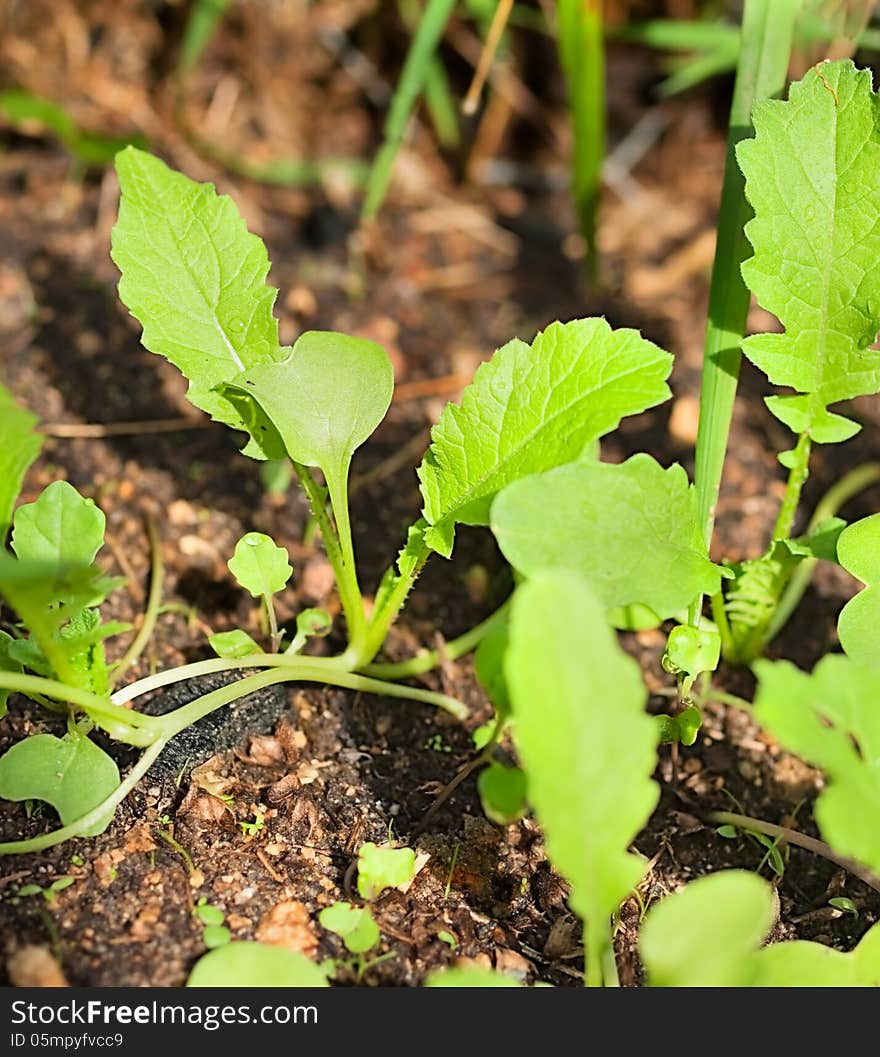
453,270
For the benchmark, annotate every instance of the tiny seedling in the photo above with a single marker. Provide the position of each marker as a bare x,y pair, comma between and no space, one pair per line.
381,867
214,931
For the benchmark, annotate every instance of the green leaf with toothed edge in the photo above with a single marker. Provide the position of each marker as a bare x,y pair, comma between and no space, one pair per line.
530,408
585,742
195,279
813,179
19,446
259,565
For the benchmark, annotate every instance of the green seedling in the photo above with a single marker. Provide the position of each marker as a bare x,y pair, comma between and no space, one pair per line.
48,892
710,934
245,964
354,926
214,932
381,867
502,793
251,829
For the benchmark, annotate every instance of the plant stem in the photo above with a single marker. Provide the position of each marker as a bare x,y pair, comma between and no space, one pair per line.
385,616
154,603
274,634
797,477
91,704
592,958
581,50
346,582
792,836
610,976
428,660
840,493
412,79
74,829
766,37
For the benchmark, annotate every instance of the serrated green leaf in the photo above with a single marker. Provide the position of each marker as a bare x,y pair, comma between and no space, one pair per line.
233,644
831,719
586,744
259,565
502,793
354,925
195,279
383,867
469,977
255,965
71,773
60,527
800,415
19,446
530,408
33,590
707,934
631,530
325,399
812,179
858,551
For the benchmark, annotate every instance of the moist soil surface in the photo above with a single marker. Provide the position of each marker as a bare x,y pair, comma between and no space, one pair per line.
261,812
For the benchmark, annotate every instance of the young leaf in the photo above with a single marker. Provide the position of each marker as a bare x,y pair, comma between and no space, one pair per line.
259,566
630,530
71,773
255,965
811,178
692,650
830,718
489,666
707,934
354,925
233,644
858,551
19,446
587,746
60,528
381,868
530,408
324,400
195,279
502,793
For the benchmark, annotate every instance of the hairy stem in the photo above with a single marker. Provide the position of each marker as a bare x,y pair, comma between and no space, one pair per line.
792,836
386,614
797,478
74,829
428,660
767,30
154,603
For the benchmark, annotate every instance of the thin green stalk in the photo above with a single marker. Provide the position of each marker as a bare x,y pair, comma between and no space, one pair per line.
438,95
386,614
341,561
92,704
93,817
200,28
792,836
840,493
412,80
797,477
581,50
592,959
347,582
610,976
767,31
428,660
274,633
154,603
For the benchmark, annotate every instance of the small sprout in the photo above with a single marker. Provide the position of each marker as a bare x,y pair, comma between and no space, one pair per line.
354,925
436,744
448,938
215,936
77,860
845,904
691,651
251,829
207,914
384,867
233,644
727,831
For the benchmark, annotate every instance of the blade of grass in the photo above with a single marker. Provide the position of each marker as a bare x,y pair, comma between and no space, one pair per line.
412,81
438,95
767,32
581,52
200,27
